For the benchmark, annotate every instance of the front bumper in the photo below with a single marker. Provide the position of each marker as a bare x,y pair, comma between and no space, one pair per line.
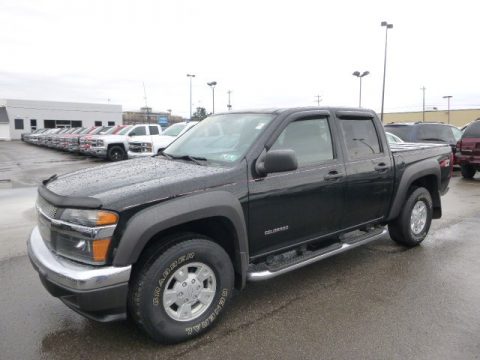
99,293
133,154
98,151
463,159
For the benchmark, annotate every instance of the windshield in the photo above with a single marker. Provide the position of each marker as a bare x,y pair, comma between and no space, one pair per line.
174,130
220,138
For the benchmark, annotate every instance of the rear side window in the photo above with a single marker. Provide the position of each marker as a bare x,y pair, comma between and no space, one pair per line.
153,130
472,131
360,137
431,132
310,139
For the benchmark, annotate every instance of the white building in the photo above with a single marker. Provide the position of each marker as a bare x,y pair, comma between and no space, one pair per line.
24,116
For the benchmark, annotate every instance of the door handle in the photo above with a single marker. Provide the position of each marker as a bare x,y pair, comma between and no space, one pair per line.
381,167
333,175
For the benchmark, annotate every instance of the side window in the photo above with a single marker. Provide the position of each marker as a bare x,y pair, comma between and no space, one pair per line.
360,137
310,139
153,130
139,131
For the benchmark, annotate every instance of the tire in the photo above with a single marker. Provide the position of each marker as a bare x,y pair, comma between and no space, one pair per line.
157,300
409,230
468,171
116,153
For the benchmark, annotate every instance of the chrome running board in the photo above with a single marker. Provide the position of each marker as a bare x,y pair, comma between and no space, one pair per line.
318,255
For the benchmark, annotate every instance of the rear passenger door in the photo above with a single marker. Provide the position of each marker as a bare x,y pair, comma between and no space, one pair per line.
368,166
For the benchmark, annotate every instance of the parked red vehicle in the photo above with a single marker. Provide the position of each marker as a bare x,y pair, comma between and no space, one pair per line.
468,150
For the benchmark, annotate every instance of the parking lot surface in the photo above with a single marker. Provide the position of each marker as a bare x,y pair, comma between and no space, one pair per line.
380,301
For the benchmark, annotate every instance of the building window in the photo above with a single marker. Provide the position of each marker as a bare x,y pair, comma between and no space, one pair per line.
49,124
98,123
76,123
33,124
111,123
18,124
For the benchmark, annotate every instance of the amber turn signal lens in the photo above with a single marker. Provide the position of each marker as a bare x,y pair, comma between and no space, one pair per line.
100,249
106,218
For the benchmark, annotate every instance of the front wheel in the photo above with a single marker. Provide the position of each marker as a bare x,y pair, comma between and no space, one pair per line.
179,294
413,223
468,171
116,153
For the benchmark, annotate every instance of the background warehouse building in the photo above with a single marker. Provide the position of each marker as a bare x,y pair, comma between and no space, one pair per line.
24,116
458,117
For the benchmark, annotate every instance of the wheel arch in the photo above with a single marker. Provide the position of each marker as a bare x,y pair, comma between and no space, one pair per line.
422,174
217,215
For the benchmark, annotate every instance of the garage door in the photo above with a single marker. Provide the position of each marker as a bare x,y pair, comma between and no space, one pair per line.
4,131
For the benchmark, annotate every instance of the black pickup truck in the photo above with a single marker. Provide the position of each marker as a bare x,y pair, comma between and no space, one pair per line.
243,196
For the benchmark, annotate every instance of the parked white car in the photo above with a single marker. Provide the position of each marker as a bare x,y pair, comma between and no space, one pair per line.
115,147
138,147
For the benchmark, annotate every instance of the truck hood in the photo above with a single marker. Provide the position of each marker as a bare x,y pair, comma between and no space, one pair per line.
110,138
134,182
160,141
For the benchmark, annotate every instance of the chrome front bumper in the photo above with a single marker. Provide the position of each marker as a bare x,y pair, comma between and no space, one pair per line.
69,274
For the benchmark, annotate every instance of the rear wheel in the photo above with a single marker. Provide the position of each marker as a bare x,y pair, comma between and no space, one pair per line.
413,223
178,293
116,153
468,171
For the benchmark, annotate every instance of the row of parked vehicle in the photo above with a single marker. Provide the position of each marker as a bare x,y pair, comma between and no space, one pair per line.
465,142
110,142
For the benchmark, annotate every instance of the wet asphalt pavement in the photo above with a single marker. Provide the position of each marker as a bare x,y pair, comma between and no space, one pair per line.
379,301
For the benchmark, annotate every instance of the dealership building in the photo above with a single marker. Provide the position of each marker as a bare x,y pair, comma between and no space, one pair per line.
24,116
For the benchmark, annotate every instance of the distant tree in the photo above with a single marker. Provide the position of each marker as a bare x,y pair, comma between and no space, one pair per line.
199,114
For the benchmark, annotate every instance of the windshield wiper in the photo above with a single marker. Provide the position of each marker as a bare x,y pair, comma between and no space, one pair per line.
196,159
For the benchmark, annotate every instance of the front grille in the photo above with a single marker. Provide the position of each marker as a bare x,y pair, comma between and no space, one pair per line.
136,147
47,208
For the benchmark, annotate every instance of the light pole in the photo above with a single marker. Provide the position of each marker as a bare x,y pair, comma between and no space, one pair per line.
229,105
423,88
212,85
360,76
387,26
190,76
448,97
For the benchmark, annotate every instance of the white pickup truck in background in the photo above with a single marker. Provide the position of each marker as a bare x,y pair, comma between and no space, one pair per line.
115,147
139,147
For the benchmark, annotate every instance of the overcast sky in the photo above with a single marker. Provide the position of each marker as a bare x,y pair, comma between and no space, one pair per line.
269,53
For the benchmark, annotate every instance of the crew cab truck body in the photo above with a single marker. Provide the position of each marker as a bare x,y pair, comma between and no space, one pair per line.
167,238
115,147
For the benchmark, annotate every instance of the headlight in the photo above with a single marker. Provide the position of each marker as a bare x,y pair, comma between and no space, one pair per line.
90,242
100,143
147,147
90,218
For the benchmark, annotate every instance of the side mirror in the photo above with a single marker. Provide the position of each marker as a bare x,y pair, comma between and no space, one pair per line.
277,161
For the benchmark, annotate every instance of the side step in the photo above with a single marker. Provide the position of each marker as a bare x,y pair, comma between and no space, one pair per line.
264,272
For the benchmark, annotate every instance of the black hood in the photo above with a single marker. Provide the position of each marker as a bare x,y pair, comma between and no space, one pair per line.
129,183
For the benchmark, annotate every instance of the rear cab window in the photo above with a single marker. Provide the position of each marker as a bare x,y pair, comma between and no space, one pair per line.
361,138
153,130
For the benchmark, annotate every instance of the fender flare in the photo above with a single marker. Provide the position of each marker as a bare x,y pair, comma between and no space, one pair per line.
414,172
152,220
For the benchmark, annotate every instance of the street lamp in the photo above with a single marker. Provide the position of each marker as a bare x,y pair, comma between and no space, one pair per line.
387,26
360,76
190,76
212,85
448,97
229,105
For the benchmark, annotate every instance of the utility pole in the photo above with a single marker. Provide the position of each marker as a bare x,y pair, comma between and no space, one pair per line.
146,106
423,88
229,106
448,97
212,84
319,99
190,76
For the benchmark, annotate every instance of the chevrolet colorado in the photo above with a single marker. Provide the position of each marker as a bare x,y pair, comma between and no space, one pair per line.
166,239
